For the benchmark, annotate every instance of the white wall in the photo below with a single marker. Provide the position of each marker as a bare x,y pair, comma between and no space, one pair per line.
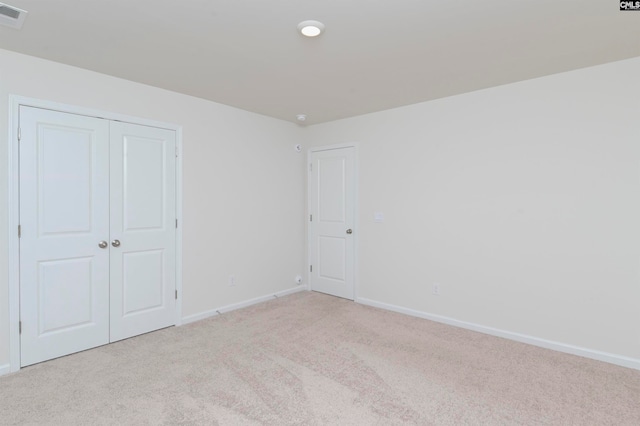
243,182
522,201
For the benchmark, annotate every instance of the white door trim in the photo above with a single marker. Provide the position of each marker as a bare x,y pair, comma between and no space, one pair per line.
14,212
356,226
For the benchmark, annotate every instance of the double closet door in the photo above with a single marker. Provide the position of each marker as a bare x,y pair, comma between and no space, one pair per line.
98,232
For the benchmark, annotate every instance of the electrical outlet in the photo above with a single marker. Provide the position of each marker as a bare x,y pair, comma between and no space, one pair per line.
436,289
232,280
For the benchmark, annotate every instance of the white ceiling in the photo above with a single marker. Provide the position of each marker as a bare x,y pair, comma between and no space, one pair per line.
374,54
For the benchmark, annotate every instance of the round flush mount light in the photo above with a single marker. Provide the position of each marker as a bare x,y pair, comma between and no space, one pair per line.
301,117
311,28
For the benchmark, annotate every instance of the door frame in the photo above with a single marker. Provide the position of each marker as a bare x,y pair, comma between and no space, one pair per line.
356,204
15,102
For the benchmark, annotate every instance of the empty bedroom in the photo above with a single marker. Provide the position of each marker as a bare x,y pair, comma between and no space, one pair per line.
320,212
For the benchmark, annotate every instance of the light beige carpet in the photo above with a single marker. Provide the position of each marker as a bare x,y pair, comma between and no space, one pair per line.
312,359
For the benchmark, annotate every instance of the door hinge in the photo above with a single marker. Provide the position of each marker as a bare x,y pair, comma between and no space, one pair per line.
310,268
176,152
19,134
176,294
19,327
19,231
310,167
176,223
310,218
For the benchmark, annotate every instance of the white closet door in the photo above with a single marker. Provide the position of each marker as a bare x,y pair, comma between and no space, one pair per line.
143,229
64,215
332,192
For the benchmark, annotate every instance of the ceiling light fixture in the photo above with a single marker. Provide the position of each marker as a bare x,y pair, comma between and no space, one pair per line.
311,28
301,117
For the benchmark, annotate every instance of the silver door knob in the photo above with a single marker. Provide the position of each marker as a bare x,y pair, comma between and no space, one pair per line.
349,231
103,244
115,243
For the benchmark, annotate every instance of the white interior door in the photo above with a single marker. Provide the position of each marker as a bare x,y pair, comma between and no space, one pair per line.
331,230
64,215
98,232
143,229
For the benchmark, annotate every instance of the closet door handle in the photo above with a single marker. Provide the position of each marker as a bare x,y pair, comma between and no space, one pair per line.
115,243
102,244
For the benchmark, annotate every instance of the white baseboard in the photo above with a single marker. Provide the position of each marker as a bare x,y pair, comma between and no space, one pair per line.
523,338
5,369
234,306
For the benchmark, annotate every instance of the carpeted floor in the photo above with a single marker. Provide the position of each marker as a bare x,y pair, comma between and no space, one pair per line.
312,359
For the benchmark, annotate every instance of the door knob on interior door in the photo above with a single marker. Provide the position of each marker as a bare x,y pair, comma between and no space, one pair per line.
103,244
115,243
349,231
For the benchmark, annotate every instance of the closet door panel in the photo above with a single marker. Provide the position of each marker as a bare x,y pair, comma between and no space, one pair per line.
64,215
143,229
